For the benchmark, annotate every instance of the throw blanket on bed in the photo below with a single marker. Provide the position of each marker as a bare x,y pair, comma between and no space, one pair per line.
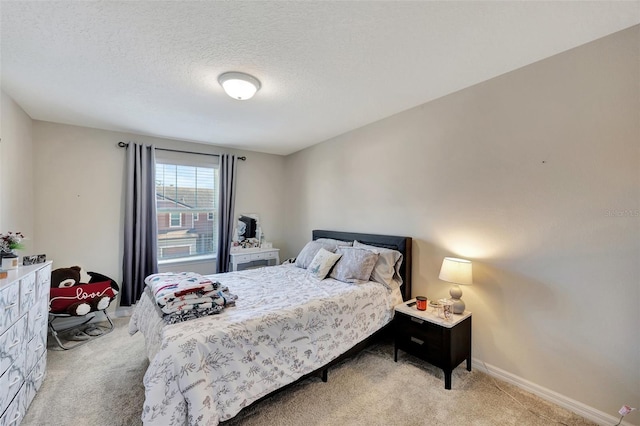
186,295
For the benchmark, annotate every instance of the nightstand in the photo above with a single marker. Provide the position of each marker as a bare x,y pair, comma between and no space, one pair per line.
423,334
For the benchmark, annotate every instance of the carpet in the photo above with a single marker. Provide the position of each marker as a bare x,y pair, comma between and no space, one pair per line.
100,383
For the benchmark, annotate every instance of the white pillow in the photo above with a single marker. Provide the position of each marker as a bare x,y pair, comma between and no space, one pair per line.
322,263
387,268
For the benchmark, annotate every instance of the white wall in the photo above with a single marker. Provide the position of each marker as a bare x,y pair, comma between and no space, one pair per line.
535,176
16,172
79,207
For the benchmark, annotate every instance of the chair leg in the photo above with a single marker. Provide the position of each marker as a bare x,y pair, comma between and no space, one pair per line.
89,317
111,326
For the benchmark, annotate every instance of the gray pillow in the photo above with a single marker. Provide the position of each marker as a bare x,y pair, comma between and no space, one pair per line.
337,243
387,268
310,250
355,265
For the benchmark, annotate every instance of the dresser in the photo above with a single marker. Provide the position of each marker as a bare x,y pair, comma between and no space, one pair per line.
251,255
24,308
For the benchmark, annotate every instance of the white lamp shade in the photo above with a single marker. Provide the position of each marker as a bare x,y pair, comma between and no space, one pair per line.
239,85
457,271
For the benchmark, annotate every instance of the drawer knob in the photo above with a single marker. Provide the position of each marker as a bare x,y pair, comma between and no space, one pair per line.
16,343
418,320
416,340
11,306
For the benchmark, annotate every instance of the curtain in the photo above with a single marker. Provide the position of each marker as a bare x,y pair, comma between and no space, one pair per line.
140,228
226,204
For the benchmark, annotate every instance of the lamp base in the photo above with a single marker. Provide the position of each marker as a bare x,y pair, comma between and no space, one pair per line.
458,304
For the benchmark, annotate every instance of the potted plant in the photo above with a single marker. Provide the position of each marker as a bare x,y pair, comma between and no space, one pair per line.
11,241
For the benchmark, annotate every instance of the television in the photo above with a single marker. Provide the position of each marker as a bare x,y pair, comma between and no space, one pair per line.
248,224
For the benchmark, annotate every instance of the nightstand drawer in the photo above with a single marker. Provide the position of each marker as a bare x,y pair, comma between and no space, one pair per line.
415,330
420,348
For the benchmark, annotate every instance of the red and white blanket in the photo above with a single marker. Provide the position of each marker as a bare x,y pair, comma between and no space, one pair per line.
186,295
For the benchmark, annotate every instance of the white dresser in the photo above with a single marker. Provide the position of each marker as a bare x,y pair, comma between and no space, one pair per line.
250,255
24,311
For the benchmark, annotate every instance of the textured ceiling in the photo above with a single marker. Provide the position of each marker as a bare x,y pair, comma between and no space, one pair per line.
151,67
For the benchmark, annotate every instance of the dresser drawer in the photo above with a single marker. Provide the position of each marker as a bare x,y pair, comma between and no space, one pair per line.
10,383
27,293
270,255
243,258
12,344
9,305
34,381
38,318
43,282
15,411
35,349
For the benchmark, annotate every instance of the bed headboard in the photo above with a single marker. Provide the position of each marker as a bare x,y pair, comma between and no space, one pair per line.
402,244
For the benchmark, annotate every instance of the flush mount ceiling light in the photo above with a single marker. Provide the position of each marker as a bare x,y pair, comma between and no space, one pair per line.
239,85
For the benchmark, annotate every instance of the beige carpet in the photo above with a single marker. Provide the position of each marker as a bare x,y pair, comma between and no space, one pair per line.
100,383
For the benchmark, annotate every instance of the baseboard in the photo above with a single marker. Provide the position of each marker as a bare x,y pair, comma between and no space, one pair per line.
577,407
123,311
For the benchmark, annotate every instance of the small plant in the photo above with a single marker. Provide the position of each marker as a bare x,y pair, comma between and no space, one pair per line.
11,241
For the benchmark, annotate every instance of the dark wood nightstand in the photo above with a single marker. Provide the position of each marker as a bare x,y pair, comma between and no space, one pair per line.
442,343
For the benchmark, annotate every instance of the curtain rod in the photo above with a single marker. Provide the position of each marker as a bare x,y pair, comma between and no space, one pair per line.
124,145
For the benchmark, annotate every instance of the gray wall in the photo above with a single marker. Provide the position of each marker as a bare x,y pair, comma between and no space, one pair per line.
533,175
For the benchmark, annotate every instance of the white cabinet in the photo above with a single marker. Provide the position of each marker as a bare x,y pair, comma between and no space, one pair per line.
24,308
250,255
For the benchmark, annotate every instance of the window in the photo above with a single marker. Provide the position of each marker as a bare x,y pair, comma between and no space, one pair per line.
175,220
186,186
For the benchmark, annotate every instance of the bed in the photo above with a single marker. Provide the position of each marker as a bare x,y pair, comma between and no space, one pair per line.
286,325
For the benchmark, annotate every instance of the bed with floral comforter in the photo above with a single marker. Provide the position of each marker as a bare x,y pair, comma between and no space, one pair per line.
285,324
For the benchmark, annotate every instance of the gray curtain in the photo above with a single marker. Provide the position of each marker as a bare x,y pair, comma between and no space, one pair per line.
226,205
140,228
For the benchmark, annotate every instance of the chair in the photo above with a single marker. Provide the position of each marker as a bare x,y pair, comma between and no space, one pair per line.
81,301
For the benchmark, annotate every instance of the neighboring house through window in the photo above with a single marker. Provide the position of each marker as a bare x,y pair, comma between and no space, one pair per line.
186,186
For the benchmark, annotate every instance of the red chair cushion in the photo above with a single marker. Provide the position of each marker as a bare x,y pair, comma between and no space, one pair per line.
61,298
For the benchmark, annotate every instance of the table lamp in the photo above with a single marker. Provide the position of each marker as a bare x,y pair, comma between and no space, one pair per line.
456,271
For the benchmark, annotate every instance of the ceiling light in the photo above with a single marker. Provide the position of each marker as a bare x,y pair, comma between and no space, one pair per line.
239,85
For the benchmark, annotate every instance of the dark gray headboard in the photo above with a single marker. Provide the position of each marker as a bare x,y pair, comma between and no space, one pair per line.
402,244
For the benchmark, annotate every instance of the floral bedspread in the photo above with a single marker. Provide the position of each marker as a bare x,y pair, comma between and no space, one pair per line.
285,324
